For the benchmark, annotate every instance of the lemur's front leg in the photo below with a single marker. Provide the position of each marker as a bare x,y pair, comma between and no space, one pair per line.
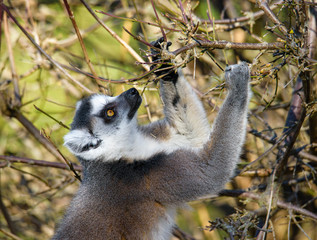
184,114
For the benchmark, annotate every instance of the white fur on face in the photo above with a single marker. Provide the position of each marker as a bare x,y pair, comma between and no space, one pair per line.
98,102
123,141
76,140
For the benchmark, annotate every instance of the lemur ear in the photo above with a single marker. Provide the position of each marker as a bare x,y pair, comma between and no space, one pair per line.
78,141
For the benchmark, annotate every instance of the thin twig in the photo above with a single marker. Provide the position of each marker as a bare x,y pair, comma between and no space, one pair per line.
146,74
42,163
69,163
82,44
250,16
279,203
51,117
229,45
72,39
159,21
267,10
183,11
114,35
7,216
5,8
15,78
177,232
138,21
308,156
298,225
269,206
138,38
36,134
10,235
31,174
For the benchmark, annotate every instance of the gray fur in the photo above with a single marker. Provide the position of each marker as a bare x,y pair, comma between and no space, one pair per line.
130,198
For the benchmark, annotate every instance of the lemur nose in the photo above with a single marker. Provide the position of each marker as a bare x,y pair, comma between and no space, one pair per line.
133,91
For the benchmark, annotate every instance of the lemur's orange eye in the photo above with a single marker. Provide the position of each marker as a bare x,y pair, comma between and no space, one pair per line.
110,113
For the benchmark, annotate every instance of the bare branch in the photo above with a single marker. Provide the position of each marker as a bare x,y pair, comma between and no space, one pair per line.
279,203
159,21
10,235
294,121
177,232
250,16
81,42
69,163
114,35
42,163
266,8
229,45
6,9
138,21
36,134
59,122
15,78
7,216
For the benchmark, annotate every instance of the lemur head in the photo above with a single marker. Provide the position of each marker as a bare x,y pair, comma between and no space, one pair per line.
103,125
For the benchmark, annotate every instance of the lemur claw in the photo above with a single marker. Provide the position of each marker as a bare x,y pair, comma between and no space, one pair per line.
165,71
237,76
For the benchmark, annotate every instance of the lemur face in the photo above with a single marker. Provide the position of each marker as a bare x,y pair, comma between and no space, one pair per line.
101,123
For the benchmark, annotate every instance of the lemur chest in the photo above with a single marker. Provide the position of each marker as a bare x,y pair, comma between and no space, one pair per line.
131,219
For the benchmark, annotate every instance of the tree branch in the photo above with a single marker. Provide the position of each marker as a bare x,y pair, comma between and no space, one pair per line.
114,35
229,45
82,44
36,133
251,16
279,203
42,163
49,58
294,121
267,10
7,217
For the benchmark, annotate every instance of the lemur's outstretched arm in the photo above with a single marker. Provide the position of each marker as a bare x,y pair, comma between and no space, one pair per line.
185,118
184,174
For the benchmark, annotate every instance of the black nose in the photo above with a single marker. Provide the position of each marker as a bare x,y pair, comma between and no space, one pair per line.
132,91
131,94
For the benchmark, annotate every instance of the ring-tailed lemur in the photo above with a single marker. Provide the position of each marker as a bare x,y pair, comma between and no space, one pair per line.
135,176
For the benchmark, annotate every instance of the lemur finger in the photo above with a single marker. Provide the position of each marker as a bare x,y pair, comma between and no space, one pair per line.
165,70
159,44
237,76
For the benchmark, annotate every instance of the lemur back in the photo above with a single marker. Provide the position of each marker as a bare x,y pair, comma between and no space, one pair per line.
135,176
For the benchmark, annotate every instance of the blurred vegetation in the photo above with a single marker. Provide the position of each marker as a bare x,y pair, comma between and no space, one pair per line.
44,72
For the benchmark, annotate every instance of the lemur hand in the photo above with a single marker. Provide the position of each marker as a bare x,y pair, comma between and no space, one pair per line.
167,71
237,77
